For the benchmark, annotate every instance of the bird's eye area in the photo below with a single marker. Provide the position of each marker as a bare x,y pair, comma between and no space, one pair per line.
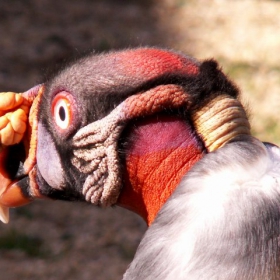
62,110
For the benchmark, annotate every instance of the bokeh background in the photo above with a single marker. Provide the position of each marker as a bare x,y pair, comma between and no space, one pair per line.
57,240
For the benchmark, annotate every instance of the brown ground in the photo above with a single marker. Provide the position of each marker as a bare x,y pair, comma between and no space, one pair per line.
55,240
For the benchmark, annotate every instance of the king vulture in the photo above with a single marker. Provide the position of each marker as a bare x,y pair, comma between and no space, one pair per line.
163,135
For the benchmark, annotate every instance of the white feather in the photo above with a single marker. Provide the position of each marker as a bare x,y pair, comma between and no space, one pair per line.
221,220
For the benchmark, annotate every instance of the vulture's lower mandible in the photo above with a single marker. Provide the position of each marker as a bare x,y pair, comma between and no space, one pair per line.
163,135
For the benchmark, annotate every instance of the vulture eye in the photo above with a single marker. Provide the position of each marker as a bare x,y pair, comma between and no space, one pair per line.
62,110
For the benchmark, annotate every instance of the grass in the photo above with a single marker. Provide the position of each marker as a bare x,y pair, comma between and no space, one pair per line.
13,240
238,69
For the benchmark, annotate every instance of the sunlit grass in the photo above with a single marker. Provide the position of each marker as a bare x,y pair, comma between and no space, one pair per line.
244,37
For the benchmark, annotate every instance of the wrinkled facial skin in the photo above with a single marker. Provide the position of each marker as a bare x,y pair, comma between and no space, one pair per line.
86,92
97,85
51,164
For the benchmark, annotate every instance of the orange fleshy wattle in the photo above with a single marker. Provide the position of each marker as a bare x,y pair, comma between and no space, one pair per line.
14,110
18,123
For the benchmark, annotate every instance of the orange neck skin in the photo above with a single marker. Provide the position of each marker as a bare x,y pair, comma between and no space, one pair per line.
159,151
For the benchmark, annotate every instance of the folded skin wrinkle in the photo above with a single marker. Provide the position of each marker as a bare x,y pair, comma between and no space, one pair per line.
202,228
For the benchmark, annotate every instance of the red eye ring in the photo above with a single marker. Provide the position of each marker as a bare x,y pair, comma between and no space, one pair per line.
62,110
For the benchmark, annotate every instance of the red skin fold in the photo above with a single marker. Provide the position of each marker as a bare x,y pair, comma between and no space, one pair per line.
156,161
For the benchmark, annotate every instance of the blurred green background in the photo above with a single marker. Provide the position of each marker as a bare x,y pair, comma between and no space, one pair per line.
55,240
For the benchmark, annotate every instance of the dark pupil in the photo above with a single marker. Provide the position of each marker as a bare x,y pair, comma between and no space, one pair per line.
62,113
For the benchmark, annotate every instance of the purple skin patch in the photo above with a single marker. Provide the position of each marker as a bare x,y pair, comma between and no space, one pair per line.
47,156
162,133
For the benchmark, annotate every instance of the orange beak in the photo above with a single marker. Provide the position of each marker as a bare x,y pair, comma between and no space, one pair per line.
11,194
17,161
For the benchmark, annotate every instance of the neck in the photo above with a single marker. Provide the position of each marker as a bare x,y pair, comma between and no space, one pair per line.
159,151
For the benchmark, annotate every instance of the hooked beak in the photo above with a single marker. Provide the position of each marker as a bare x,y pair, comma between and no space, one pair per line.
17,161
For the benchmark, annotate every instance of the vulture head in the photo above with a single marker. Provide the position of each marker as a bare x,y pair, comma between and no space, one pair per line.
163,135
121,128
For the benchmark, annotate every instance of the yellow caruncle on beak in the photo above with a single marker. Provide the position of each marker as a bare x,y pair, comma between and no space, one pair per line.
14,110
13,117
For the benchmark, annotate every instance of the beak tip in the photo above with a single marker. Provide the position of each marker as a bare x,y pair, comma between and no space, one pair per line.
4,214
13,197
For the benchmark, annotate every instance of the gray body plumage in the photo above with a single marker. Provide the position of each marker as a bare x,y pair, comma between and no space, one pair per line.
222,222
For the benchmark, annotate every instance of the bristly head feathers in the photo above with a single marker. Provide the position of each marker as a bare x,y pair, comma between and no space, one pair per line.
100,87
